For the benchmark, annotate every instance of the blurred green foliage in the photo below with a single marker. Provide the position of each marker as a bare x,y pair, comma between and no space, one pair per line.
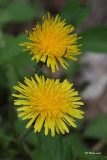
94,39
16,13
93,129
15,65
74,13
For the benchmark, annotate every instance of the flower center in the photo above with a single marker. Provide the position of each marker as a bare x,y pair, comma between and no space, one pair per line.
49,44
52,101
52,42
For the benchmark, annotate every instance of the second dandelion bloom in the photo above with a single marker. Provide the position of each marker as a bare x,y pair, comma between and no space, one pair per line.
53,41
48,103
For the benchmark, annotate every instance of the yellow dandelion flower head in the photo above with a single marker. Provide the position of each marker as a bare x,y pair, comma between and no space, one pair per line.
48,103
52,42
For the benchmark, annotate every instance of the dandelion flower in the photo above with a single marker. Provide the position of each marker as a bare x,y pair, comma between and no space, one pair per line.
48,103
52,42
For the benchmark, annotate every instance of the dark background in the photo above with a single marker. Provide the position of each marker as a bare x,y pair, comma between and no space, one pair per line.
89,75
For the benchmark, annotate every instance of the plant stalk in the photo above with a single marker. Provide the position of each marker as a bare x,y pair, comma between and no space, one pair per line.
22,145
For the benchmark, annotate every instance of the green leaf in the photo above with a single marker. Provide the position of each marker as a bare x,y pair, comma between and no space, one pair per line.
94,39
104,158
32,139
16,63
5,139
39,9
12,50
68,153
74,13
97,128
8,38
23,59
100,158
79,148
20,62
12,77
12,53
4,17
3,3
39,154
21,127
16,12
54,146
21,12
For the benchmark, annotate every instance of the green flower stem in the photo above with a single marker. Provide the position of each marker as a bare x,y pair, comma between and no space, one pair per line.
27,154
21,141
22,145
12,118
12,113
